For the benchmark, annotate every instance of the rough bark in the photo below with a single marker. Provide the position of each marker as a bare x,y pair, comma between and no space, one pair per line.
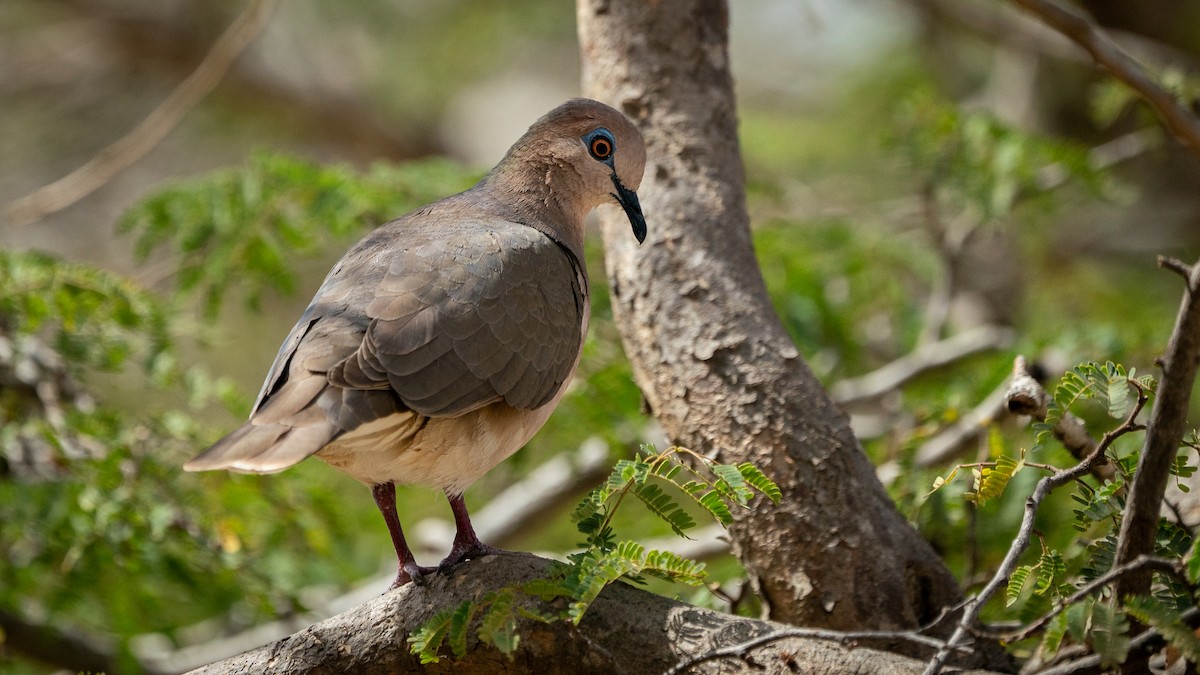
708,351
627,630
1164,436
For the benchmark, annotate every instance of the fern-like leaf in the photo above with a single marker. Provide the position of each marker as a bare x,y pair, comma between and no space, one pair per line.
498,627
1109,633
427,640
662,505
716,506
731,484
1050,569
759,481
991,481
1168,622
1052,638
1016,583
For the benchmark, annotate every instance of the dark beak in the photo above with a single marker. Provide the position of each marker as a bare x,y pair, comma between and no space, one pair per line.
628,200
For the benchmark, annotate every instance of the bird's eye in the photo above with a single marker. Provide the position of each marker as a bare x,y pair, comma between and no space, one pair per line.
599,142
601,148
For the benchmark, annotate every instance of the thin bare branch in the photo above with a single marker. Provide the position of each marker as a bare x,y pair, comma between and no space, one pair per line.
740,649
921,360
152,130
1167,426
1069,21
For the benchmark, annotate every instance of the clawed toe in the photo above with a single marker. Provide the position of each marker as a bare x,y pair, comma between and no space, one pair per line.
456,556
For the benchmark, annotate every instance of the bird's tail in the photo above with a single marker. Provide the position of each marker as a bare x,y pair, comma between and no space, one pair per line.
263,448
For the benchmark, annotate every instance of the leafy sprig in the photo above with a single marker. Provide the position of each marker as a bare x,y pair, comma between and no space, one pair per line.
671,485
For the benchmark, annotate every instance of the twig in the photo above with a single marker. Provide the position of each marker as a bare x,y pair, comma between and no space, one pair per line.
951,441
1182,124
920,360
1168,424
1027,396
152,130
1094,660
1045,486
739,650
1143,562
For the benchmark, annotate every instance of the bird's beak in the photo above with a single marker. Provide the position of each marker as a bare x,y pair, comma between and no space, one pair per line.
628,200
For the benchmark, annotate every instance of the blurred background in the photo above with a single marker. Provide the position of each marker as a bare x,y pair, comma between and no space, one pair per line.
917,170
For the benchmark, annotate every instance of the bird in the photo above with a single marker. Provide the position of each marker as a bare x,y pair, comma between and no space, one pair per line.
440,343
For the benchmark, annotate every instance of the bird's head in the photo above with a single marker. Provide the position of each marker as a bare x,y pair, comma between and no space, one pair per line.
580,155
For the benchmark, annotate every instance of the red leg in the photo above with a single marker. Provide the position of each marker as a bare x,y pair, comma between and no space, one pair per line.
385,499
466,542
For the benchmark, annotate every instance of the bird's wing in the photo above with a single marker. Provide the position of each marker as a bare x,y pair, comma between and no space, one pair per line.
489,312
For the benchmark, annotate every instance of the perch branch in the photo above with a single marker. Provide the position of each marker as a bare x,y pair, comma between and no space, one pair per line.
152,130
640,631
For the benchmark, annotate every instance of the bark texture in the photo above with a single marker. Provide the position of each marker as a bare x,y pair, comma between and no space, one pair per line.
708,350
627,630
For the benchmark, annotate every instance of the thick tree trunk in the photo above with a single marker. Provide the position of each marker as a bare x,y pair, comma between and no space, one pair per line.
627,630
710,355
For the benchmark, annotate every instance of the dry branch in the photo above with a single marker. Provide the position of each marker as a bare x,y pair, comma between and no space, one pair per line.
1180,121
924,358
152,130
1164,434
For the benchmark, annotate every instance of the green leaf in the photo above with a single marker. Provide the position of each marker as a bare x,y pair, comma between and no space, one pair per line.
716,506
731,484
1109,633
1053,636
426,641
1193,562
662,505
498,627
456,634
759,481
1168,621
1016,583
991,481
1050,569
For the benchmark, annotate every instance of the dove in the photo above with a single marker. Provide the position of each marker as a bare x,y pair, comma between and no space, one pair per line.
441,342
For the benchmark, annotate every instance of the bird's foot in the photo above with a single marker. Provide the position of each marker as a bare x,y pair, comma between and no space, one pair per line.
411,572
466,551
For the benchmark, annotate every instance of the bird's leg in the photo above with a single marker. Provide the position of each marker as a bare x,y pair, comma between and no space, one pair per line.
466,542
385,499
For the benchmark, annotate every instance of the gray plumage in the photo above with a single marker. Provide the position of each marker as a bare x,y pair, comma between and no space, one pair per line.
440,343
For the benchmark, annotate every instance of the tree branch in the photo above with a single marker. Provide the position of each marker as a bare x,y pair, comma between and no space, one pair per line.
1164,435
62,648
152,130
924,358
625,629
1182,124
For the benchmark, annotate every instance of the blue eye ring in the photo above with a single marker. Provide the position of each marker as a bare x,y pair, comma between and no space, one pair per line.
600,144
